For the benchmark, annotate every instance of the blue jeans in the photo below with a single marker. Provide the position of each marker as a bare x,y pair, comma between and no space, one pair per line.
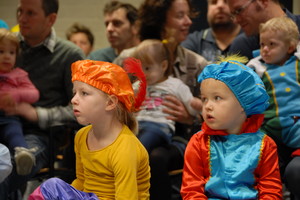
11,132
153,134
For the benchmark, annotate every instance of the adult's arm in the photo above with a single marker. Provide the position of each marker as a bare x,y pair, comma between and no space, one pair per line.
45,117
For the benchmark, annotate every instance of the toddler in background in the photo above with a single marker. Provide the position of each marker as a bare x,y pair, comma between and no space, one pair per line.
111,163
154,128
230,158
278,66
15,87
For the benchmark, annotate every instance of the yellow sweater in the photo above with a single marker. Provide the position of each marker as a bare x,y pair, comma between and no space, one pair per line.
118,171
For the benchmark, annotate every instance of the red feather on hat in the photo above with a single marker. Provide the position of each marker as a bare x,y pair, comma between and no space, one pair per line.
133,66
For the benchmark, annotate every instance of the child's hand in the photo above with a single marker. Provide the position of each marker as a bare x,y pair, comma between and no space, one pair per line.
7,102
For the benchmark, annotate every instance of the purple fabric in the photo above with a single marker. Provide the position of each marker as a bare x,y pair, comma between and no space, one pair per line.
57,189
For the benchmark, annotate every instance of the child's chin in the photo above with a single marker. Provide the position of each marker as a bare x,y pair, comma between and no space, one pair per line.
81,122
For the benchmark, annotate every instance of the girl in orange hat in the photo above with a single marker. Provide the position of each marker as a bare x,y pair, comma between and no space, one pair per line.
111,163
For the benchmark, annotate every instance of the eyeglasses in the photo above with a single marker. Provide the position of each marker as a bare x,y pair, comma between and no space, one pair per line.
240,10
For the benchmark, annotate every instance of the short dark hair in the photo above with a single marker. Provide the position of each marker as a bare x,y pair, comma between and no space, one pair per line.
131,11
50,6
153,16
80,28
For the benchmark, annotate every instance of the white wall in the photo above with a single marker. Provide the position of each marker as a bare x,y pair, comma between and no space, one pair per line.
88,12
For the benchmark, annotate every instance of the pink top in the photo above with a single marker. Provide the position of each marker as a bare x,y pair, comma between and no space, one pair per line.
19,86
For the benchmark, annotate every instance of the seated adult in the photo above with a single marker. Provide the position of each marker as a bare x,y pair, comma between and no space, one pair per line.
47,59
82,36
214,41
121,30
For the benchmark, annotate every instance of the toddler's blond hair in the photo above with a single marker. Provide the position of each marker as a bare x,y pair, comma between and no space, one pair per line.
10,36
284,25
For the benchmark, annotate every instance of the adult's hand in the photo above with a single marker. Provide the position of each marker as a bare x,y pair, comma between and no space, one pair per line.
24,110
176,110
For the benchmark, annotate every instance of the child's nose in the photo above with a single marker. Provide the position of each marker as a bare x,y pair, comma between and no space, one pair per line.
74,100
208,106
265,48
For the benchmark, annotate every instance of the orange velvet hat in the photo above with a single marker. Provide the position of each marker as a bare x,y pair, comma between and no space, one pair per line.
107,77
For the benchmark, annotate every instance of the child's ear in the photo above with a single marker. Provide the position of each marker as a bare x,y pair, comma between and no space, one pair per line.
112,102
292,48
164,65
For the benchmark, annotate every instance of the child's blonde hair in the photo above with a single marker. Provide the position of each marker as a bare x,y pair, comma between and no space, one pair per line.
127,118
284,25
7,35
153,51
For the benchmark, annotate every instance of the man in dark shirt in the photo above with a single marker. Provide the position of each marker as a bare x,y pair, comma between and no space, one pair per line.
215,40
47,59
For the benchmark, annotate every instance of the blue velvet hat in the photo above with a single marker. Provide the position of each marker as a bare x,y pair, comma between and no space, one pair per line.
242,81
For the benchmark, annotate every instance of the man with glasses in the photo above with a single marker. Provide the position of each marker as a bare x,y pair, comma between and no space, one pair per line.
249,14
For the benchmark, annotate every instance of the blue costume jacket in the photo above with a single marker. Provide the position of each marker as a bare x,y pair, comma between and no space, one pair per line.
222,166
283,86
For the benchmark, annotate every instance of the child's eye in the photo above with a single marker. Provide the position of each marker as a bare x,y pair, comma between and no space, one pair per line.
272,44
84,93
218,98
203,99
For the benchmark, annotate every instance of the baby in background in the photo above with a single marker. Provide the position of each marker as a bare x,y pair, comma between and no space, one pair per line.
279,68
154,127
15,87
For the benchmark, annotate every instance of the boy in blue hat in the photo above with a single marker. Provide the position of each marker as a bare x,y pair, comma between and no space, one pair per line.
230,158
